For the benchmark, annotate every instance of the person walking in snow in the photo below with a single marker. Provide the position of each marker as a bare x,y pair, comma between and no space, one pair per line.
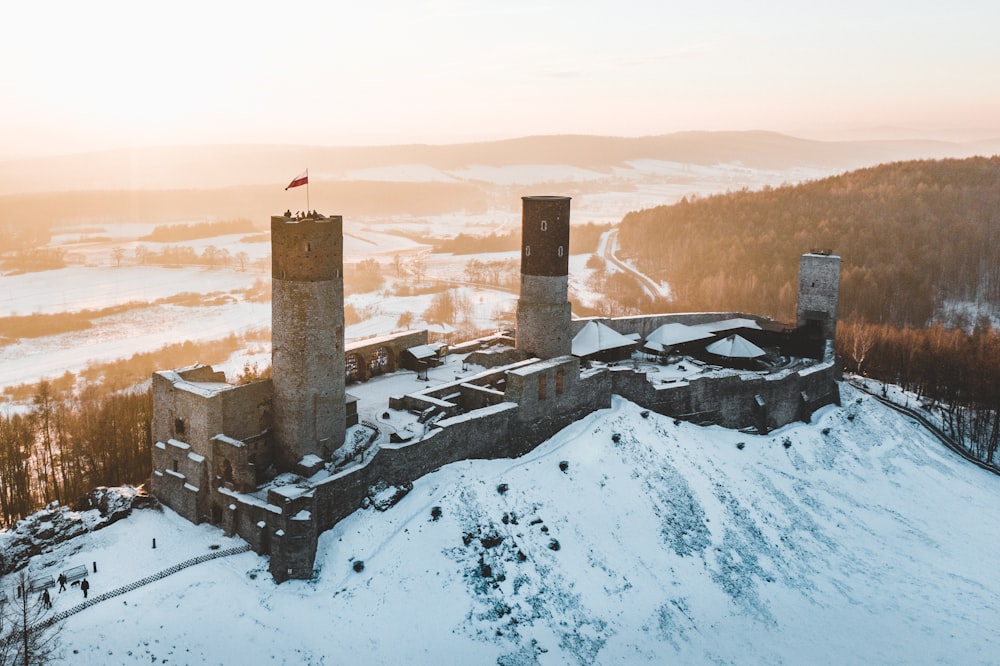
84,586
62,582
46,599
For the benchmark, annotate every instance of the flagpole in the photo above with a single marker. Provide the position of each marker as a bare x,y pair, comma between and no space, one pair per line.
307,192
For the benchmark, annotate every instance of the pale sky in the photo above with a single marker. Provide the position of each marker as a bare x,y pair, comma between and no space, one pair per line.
95,74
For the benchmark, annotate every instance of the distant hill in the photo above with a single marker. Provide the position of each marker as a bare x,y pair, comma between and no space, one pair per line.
913,236
211,167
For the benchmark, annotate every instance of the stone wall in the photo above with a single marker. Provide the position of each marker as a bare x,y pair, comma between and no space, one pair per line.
382,354
735,400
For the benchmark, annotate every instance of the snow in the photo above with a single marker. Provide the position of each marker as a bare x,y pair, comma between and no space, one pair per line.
861,541
596,337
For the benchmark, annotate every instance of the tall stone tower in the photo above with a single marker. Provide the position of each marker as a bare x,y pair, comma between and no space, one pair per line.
819,291
307,336
543,309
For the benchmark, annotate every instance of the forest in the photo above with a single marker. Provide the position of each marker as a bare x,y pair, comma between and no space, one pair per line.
912,237
70,444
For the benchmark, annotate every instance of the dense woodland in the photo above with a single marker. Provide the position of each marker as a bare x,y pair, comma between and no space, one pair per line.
956,371
912,236
70,444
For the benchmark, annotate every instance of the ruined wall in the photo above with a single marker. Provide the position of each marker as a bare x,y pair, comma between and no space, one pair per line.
172,488
735,400
247,410
381,354
551,395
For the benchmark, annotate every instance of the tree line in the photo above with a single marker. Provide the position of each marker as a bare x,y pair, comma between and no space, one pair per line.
70,443
956,371
912,236
172,233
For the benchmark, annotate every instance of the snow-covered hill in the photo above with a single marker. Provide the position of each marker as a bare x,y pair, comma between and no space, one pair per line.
627,538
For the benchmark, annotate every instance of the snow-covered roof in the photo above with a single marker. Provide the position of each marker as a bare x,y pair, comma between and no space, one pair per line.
735,346
672,334
422,351
596,337
728,325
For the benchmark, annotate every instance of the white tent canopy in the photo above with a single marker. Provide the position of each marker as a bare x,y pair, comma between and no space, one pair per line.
668,335
596,337
735,346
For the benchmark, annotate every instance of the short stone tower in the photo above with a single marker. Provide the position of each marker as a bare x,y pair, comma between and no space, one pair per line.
543,309
819,291
307,336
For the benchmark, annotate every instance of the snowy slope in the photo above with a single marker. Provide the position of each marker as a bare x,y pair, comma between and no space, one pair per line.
862,541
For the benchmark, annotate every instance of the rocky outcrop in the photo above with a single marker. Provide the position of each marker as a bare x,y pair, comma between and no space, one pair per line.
55,524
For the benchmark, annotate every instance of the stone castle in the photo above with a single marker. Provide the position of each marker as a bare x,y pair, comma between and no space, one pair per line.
281,460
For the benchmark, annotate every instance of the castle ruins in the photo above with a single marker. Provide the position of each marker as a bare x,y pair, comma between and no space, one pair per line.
281,460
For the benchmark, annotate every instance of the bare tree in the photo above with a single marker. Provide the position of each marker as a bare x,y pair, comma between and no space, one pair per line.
242,258
27,636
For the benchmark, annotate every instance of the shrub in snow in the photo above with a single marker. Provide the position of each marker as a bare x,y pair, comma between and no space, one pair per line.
553,544
491,540
740,445
359,565
616,438
563,465
644,413
826,431
786,442
435,513
502,488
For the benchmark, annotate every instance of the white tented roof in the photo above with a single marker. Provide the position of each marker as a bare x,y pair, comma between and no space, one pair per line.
669,335
735,347
596,337
729,324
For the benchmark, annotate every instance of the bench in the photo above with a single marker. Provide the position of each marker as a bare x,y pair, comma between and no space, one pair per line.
41,583
75,573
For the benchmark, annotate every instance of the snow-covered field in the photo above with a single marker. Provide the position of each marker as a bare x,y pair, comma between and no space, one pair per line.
855,539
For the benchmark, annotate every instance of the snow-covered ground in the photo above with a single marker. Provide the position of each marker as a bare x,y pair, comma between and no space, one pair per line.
854,539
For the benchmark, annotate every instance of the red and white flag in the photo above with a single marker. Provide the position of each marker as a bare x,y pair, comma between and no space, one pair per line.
301,179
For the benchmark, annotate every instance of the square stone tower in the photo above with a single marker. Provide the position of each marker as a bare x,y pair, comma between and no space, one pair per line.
307,336
819,291
543,309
